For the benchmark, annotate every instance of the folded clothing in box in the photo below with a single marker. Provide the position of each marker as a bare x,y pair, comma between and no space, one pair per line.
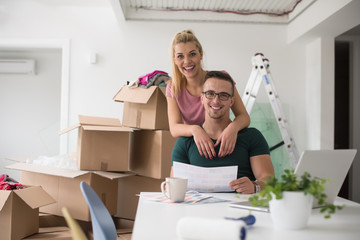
7,183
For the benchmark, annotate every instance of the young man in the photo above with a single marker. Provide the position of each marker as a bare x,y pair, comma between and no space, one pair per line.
251,153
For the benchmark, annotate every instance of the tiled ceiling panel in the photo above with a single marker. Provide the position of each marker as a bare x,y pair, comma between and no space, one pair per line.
260,11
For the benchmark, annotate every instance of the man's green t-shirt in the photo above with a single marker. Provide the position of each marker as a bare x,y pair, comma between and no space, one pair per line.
250,142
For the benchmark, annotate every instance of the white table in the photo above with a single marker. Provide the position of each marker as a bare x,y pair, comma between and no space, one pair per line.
158,220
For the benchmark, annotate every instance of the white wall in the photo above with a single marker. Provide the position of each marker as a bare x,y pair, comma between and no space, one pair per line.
30,108
312,97
320,93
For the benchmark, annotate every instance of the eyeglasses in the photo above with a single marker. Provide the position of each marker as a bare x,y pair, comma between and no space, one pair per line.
223,96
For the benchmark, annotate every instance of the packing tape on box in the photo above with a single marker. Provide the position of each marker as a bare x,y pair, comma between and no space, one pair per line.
210,229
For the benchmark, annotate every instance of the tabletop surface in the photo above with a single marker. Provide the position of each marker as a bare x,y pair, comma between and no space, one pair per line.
155,220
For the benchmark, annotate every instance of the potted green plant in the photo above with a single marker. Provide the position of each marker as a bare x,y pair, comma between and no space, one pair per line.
290,199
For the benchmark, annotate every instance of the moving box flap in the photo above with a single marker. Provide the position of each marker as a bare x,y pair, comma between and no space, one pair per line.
4,196
135,95
61,172
35,196
69,129
93,121
113,175
108,128
16,159
163,90
100,121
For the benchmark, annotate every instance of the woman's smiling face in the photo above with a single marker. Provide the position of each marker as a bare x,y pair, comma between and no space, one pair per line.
188,59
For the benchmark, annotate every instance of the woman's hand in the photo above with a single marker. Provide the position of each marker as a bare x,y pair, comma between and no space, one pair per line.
203,142
228,140
243,185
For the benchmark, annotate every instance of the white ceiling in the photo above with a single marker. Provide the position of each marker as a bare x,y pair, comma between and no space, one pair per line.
255,11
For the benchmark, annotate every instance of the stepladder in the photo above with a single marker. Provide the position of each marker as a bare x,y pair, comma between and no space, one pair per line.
261,74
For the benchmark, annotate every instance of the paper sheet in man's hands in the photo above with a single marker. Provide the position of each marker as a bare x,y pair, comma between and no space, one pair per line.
206,179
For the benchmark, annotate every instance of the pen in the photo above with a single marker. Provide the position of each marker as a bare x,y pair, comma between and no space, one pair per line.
207,197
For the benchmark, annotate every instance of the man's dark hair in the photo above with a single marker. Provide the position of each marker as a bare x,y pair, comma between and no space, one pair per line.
222,76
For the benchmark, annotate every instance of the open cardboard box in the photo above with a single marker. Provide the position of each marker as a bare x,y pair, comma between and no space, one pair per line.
103,144
144,108
19,211
64,186
151,153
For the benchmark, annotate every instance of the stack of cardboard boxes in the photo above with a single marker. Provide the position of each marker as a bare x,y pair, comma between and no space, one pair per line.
117,160
152,144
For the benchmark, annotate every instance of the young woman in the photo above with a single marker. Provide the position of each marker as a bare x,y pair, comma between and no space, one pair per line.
185,111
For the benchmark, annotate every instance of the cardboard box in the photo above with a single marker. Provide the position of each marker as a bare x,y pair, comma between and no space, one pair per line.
103,144
144,108
57,233
123,225
128,191
19,211
151,153
48,221
50,225
64,186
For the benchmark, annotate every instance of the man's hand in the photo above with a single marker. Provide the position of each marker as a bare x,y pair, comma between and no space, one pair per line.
203,142
242,185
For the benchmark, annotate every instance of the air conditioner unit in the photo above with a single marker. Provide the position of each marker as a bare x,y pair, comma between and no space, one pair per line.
17,66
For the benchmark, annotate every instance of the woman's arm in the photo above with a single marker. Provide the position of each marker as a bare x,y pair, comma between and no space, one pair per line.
242,118
176,125
229,135
178,128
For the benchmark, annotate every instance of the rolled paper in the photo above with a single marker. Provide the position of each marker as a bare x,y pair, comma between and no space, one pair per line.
191,228
249,219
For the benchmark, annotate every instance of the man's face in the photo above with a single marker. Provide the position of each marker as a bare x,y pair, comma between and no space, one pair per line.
216,108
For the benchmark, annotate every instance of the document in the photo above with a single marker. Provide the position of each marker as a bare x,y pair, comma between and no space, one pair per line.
206,179
191,197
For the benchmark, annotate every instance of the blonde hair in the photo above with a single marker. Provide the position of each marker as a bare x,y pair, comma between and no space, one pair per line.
178,79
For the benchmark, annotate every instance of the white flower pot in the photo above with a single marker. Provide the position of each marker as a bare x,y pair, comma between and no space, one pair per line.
292,211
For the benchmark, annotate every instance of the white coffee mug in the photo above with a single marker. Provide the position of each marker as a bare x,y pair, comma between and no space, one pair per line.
175,188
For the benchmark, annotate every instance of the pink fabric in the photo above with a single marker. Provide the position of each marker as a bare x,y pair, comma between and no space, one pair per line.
144,79
191,108
10,186
7,183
